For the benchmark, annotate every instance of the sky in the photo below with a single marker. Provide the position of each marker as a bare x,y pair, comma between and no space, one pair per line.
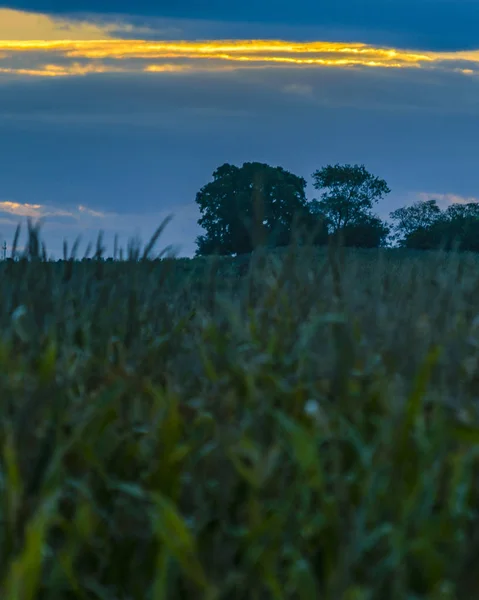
114,114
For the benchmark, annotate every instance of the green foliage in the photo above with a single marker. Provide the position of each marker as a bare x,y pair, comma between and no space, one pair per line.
350,192
306,427
249,206
415,219
256,205
365,232
424,226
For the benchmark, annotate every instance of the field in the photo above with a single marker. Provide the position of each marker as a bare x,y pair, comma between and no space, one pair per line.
299,424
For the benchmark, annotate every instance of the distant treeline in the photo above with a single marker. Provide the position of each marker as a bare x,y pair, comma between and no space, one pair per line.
259,205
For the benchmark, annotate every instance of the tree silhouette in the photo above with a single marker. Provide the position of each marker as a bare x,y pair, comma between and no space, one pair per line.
424,226
249,206
413,223
348,194
366,232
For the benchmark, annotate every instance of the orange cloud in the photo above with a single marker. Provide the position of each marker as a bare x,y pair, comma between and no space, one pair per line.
21,210
38,211
248,51
23,26
39,45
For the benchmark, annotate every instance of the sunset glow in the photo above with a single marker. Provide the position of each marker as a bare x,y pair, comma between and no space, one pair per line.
61,48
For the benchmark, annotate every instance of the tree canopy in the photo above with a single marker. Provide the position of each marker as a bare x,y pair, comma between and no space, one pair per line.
348,194
244,207
260,205
366,232
414,220
424,226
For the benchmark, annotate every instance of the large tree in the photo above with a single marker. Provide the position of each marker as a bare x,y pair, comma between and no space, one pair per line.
244,207
348,195
412,224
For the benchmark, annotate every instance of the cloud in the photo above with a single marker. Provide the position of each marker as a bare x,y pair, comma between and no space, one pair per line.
445,200
142,55
89,211
87,223
39,211
23,210
198,102
24,26
299,89
43,46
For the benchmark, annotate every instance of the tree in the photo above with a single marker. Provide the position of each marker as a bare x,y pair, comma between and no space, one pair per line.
349,193
461,226
427,238
424,226
245,207
413,223
470,235
367,232
462,211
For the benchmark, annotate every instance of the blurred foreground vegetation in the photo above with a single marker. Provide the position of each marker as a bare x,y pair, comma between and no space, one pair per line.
300,423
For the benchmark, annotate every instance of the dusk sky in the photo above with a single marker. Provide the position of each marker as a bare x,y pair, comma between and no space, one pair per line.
114,114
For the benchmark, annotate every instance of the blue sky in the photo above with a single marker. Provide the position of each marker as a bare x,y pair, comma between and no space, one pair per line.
113,115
